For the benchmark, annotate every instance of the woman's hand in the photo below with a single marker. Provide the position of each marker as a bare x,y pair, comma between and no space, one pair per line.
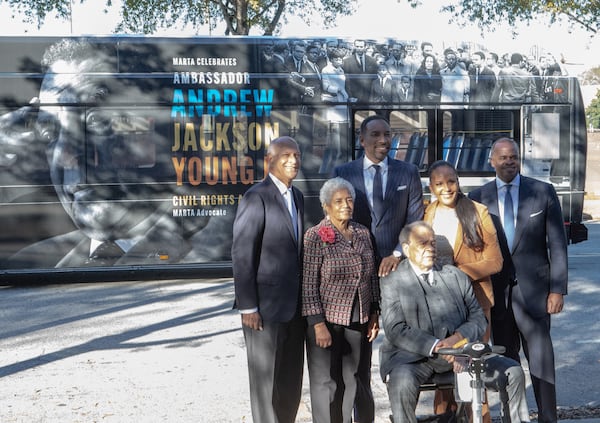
322,335
373,327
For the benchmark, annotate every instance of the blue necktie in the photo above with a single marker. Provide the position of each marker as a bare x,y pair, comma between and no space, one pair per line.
293,212
509,218
377,192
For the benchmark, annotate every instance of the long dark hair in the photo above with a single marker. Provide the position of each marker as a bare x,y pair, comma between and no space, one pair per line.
465,212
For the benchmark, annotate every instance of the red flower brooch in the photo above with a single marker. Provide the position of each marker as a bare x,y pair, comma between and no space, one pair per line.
327,234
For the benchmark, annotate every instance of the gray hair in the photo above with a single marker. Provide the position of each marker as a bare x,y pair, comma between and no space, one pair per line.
407,230
332,186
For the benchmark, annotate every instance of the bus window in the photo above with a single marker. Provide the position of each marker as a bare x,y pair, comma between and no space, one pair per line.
468,136
410,136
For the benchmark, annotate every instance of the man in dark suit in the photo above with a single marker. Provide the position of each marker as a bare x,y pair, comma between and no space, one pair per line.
424,309
400,202
359,68
267,266
537,248
483,79
401,184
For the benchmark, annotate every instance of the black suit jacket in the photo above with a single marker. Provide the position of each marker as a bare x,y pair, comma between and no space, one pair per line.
267,265
482,87
358,82
403,201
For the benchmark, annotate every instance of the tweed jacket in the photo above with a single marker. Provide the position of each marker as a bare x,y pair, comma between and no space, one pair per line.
409,335
334,273
478,265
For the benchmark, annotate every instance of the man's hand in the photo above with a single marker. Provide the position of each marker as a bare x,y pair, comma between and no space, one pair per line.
322,335
373,327
252,320
388,264
448,342
555,303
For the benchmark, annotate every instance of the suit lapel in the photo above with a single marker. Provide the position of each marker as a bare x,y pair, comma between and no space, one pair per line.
524,210
393,180
78,255
489,197
300,211
281,206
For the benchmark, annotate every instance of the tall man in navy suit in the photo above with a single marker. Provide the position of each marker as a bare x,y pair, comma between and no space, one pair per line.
536,246
267,265
398,202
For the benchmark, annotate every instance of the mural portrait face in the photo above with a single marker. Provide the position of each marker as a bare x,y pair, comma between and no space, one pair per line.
94,167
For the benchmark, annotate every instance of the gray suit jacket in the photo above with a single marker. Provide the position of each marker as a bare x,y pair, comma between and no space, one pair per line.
409,335
403,201
267,263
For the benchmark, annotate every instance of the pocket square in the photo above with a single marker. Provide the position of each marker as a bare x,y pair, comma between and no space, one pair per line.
536,213
401,187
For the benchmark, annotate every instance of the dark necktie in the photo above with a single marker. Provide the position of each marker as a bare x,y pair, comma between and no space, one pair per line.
377,192
106,254
293,211
425,278
509,218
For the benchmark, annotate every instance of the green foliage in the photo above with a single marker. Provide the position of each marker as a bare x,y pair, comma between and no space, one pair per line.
487,13
592,112
147,16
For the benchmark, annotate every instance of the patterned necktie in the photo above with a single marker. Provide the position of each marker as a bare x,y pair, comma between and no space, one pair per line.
106,254
509,218
377,192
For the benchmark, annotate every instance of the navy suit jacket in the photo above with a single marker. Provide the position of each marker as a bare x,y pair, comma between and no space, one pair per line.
539,251
403,201
266,256
409,335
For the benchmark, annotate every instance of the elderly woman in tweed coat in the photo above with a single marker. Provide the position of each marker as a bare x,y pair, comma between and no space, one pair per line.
340,299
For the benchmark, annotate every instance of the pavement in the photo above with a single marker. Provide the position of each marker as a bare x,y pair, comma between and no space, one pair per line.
162,351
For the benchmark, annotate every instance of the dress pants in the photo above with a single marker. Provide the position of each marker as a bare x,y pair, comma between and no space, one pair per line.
275,367
403,386
333,372
517,328
364,405
502,374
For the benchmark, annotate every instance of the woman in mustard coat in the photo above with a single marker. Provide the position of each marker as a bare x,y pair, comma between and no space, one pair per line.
465,237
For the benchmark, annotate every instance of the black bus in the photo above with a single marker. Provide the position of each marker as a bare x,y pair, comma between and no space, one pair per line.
151,142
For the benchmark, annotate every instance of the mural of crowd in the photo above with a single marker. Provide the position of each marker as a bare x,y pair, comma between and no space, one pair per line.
364,71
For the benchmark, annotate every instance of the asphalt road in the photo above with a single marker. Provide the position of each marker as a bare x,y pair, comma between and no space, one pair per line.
172,351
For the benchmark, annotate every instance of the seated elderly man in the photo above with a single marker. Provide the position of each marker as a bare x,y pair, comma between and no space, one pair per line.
424,309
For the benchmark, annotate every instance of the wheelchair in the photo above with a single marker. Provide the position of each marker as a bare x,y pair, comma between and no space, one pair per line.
475,352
